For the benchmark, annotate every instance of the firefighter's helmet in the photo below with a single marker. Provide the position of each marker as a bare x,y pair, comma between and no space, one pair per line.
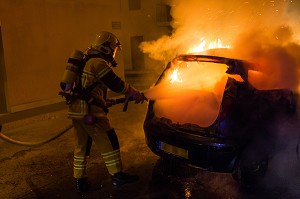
107,43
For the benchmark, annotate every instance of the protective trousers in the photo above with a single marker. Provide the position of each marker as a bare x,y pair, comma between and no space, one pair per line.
104,137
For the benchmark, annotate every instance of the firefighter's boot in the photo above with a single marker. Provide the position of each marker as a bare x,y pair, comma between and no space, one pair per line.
120,178
81,185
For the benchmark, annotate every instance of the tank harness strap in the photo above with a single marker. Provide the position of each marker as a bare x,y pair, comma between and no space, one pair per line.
86,92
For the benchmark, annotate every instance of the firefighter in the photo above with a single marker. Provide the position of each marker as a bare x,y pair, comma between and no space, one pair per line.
89,113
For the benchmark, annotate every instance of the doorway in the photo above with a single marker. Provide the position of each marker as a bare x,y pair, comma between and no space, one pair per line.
137,57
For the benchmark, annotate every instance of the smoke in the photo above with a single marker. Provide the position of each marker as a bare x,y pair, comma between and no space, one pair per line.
262,32
197,19
259,31
283,176
275,54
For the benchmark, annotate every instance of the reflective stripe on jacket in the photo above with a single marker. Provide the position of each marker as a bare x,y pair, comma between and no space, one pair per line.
94,69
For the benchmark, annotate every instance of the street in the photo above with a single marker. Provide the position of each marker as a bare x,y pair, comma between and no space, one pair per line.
45,172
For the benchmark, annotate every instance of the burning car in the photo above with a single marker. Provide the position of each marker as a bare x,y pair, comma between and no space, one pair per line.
205,112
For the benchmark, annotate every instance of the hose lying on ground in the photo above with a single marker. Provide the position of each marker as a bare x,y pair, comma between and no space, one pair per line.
60,133
35,144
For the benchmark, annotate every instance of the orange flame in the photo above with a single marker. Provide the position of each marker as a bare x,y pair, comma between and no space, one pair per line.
174,76
203,46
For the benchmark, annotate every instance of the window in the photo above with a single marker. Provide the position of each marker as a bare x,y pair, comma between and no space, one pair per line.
137,57
163,13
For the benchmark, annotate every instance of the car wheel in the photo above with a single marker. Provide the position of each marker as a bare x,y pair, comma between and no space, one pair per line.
249,171
163,169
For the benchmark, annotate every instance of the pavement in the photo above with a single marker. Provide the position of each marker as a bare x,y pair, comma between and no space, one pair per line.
45,171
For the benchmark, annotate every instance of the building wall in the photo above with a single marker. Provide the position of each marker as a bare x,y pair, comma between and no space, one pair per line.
147,21
38,36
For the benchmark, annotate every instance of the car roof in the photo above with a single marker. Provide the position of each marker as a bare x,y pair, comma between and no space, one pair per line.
235,66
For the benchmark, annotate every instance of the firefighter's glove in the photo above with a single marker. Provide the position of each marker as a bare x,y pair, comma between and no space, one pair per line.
134,95
110,102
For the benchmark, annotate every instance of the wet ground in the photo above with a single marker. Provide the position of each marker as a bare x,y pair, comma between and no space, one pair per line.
45,172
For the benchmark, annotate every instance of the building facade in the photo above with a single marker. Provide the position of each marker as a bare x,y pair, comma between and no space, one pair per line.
38,36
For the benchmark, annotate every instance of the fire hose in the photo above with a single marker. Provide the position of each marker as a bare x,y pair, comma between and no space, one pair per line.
34,144
60,133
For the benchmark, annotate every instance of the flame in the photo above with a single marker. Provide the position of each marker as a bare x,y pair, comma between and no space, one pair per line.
206,78
174,76
195,75
203,46
177,77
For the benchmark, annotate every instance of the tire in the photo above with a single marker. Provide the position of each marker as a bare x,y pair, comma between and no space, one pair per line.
163,169
250,169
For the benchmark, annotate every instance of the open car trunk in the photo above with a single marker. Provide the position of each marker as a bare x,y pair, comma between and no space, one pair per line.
191,90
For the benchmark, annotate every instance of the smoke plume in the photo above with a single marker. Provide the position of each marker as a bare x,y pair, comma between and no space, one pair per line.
263,32
259,31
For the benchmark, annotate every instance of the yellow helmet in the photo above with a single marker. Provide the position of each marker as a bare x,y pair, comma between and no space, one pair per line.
107,43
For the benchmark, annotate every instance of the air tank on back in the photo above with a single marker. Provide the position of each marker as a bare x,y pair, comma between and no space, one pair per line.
72,69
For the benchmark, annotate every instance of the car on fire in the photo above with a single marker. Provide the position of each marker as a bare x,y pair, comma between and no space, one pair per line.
225,130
